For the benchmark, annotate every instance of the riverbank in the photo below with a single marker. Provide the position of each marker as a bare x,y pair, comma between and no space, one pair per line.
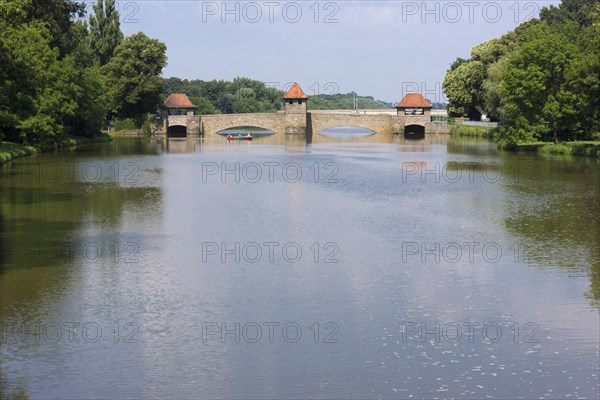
588,148
583,148
10,151
128,133
473,131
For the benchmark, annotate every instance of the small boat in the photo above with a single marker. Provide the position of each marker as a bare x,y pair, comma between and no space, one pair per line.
239,137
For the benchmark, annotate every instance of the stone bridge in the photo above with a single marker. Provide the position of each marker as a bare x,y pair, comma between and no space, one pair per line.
381,123
313,122
212,124
182,125
412,117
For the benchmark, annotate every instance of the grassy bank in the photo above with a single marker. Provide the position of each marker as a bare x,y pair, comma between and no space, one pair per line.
582,148
472,131
587,148
9,151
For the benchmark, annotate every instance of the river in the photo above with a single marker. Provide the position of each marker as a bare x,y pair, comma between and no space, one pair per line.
371,267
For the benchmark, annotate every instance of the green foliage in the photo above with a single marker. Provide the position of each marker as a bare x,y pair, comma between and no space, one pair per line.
536,93
555,148
91,102
580,11
474,131
133,75
49,84
543,79
520,132
10,151
586,149
105,31
340,101
463,86
57,17
125,124
147,124
466,82
84,56
242,95
204,105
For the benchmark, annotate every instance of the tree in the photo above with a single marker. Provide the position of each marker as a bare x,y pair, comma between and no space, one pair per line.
133,75
105,30
172,85
580,11
536,92
463,86
58,17
247,105
26,57
542,79
48,86
204,105
491,89
465,82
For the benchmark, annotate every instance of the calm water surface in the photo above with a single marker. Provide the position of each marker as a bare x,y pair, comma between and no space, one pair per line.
368,268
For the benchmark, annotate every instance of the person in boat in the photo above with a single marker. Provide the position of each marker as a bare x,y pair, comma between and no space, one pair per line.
240,135
228,135
249,134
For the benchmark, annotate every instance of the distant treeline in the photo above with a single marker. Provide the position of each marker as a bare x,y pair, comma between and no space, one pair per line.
245,95
345,101
242,95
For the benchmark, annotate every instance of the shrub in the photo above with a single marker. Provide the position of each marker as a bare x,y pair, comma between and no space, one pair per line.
470,130
147,124
555,148
125,124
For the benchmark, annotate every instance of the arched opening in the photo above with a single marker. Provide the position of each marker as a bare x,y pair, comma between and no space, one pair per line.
346,132
177,131
414,132
244,130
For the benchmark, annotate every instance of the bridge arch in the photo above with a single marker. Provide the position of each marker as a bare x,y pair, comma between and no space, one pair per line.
213,124
376,123
415,131
177,131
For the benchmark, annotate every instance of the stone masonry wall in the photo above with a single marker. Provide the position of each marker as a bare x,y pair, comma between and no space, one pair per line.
294,123
378,123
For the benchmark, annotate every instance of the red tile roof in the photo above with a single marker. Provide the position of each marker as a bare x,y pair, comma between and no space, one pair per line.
295,92
178,100
413,100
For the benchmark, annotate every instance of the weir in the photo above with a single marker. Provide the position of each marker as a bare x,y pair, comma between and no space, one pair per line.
412,118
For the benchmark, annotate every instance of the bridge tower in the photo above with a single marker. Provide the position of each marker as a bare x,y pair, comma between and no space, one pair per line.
413,114
178,116
295,102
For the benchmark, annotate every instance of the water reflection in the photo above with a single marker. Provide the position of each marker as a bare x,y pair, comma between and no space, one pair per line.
182,146
346,132
369,198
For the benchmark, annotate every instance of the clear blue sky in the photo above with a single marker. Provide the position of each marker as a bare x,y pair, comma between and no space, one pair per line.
378,48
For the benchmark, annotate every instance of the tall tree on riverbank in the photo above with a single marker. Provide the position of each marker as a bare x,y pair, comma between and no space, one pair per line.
543,79
47,88
133,75
105,30
58,17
